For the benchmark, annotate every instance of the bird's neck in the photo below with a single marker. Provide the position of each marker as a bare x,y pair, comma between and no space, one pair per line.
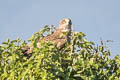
58,32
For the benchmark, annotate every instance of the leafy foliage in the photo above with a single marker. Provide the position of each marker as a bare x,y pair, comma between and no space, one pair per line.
79,60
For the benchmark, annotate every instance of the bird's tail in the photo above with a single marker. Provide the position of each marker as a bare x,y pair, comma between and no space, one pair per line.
27,51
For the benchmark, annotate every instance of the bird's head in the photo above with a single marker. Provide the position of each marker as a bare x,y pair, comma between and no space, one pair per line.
65,24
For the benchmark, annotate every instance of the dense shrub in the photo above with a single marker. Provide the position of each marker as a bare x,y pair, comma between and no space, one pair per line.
79,60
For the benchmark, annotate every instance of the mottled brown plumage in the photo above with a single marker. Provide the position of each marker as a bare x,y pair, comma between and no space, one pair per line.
56,37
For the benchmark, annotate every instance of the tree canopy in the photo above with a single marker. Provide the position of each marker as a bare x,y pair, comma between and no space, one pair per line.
79,60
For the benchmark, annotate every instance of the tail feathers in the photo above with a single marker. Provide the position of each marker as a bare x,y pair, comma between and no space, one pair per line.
27,51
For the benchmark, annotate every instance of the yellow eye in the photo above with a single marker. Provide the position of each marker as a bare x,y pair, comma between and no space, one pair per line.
63,22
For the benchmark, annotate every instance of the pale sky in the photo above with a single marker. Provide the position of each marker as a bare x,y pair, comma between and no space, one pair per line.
96,18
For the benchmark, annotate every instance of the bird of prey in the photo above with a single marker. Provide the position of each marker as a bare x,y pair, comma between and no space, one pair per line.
63,27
